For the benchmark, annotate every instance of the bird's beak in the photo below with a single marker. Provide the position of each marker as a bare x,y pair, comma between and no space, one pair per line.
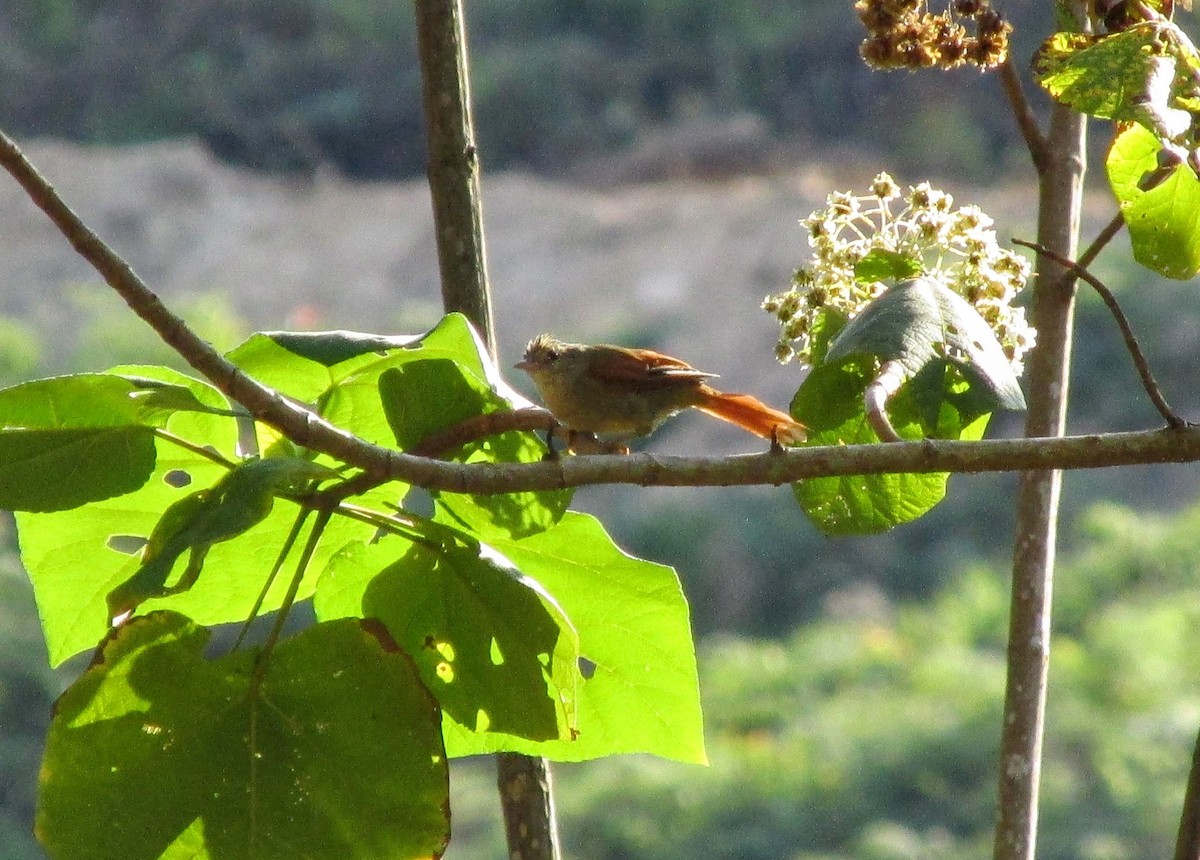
524,364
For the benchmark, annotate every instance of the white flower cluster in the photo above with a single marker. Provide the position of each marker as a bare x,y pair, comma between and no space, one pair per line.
955,247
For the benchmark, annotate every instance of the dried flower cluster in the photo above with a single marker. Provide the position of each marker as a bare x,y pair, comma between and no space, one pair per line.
955,247
904,34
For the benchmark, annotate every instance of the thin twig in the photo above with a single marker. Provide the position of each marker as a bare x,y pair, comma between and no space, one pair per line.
1149,383
1187,840
1111,229
481,427
1035,141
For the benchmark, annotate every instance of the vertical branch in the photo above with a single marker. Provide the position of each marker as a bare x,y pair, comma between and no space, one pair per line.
1060,196
453,163
526,800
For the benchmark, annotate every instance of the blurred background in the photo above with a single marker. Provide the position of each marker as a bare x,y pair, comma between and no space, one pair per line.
260,163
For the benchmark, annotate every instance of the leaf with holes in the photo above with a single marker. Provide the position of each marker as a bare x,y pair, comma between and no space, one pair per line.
639,691
493,647
75,558
239,501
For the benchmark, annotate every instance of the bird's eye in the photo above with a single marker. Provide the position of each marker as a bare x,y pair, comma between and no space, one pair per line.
552,355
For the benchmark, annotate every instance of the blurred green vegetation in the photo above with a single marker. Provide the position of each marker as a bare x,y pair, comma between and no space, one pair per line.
873,733
291,84
27,689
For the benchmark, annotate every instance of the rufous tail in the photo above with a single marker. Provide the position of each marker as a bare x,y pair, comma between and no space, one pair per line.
752,415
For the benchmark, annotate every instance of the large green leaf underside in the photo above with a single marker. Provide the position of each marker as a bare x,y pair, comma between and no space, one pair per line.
919,323
157,752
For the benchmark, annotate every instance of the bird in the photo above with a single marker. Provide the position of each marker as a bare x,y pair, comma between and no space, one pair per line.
622,393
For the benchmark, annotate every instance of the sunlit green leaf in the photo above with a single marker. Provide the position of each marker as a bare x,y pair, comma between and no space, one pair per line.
1103,76
491,644
639,691
936,403
425,397
157,752
84,400
1163,221
239,501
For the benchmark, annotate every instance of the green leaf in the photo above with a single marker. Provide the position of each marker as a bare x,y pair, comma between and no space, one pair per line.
639,691
85,400
54,470
158,400
920,322
1164,221
274,365
70,440
157,752
337,373
881,264
937,402
75,558
330,348
424,397
165,396
239,501
1103,76
489,642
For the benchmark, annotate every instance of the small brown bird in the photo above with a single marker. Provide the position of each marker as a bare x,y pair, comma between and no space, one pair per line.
622,393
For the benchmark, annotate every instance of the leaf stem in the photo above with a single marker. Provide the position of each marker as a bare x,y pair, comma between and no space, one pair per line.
288,543
289,598
204,451
1142,365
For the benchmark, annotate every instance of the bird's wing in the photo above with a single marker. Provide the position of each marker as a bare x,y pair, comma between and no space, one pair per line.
646,365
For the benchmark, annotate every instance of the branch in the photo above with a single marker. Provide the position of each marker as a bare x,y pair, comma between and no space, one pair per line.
1060,195
453,166
797,464
297,423
1153,391
1035,141
1111,229
308,429
453,171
